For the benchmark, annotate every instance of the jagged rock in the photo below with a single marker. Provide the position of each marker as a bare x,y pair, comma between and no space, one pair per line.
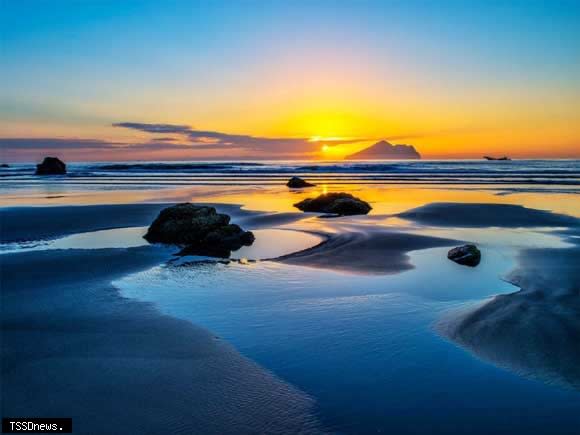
467,255
298,183
343,204
199,230
51,166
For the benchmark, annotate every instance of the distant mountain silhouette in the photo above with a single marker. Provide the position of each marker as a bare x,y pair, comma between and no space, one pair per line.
383,150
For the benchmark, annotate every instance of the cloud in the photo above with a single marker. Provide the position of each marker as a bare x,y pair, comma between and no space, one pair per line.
163,139
267,145
171,141
74,149
154,128
55,143
95,144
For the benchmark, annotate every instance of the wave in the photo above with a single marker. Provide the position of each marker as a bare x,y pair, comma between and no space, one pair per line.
520,172
170,166
565,167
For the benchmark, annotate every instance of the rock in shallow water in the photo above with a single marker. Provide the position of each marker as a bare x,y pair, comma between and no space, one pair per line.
51,166
343,204
466,255
298,183
199,230
220,242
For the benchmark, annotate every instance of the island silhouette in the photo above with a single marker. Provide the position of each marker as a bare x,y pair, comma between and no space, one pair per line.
384,150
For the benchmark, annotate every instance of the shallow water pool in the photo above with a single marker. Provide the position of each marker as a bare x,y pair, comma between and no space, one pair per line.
363,345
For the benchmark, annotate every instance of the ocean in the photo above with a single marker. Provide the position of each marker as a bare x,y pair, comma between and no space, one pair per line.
380,331
548,173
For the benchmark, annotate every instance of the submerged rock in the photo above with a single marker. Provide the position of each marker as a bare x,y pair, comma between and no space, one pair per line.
298,183
199,230
51,166
343,204
466,255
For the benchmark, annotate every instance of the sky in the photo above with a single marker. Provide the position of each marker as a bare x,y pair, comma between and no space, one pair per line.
170,80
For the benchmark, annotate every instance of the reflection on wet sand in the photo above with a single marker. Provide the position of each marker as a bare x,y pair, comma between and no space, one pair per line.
536,331
385,199
364,249
393,199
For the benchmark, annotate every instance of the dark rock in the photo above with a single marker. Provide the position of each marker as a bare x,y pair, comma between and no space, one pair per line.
349,206
51,166
298,183
185,224
343,204
199,230
466,255
229,237
504,158
4,165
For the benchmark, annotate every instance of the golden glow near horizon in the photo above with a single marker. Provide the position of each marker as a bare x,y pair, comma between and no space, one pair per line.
339,117
345,113
390,76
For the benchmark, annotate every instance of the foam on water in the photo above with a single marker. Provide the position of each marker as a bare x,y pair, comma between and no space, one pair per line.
522,172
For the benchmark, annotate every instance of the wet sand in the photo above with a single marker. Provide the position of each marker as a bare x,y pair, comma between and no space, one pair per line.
36,223
534,332
486,215
363,249
81,350
73,347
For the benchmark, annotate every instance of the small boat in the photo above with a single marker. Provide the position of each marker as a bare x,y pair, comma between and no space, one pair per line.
496,158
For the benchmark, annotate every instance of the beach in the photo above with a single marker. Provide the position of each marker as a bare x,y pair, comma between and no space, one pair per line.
342,324
290,217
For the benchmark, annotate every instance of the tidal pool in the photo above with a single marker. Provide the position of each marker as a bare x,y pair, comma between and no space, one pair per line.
363,345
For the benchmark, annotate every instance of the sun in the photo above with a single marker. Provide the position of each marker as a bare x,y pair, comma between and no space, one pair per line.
325,148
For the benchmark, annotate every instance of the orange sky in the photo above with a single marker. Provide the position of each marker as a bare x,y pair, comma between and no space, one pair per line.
455,81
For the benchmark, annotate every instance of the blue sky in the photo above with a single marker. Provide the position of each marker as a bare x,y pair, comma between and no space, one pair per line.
274,68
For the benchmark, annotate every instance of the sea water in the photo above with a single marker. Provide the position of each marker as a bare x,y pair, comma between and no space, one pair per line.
364,346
